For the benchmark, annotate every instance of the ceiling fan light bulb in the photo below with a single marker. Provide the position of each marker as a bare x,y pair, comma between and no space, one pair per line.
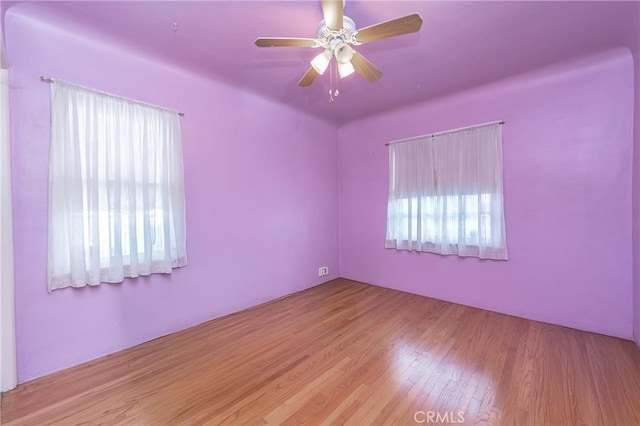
345,69
343,53
321,62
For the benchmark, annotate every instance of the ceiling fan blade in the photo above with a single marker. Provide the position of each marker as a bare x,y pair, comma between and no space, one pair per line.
365,68
333,11
308,77
395,27
286,42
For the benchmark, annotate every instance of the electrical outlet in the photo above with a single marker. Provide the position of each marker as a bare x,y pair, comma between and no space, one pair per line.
323,270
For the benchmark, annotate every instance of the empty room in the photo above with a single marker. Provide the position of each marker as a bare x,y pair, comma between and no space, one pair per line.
320,212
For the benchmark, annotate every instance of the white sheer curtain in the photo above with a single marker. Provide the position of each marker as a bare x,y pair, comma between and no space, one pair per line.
445,193
116,201
8,374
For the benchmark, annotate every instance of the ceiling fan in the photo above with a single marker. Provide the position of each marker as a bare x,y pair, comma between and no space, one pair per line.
336,34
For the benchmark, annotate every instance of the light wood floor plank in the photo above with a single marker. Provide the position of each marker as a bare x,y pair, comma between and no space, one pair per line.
347,353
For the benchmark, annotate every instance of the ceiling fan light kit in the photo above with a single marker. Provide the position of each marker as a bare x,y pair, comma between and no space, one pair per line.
336,35
343,52
345,69
321,62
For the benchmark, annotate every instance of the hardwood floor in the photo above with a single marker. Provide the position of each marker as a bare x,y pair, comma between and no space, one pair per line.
349,353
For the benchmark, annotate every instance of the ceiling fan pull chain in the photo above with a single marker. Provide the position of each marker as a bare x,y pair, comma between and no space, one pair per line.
333,79
336,92
331,82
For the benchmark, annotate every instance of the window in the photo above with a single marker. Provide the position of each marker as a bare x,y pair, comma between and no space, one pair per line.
116,205
129,213
445,194
473,210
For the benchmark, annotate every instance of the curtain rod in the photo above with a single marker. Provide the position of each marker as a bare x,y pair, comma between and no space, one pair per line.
51,80
444,132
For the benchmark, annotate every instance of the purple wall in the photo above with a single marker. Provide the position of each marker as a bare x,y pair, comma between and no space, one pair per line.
636,203
636,185
261,192
567,151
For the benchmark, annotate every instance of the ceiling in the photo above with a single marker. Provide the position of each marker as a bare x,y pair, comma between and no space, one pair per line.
461,45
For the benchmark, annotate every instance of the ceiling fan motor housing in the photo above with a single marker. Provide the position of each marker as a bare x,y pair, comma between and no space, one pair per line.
329,38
